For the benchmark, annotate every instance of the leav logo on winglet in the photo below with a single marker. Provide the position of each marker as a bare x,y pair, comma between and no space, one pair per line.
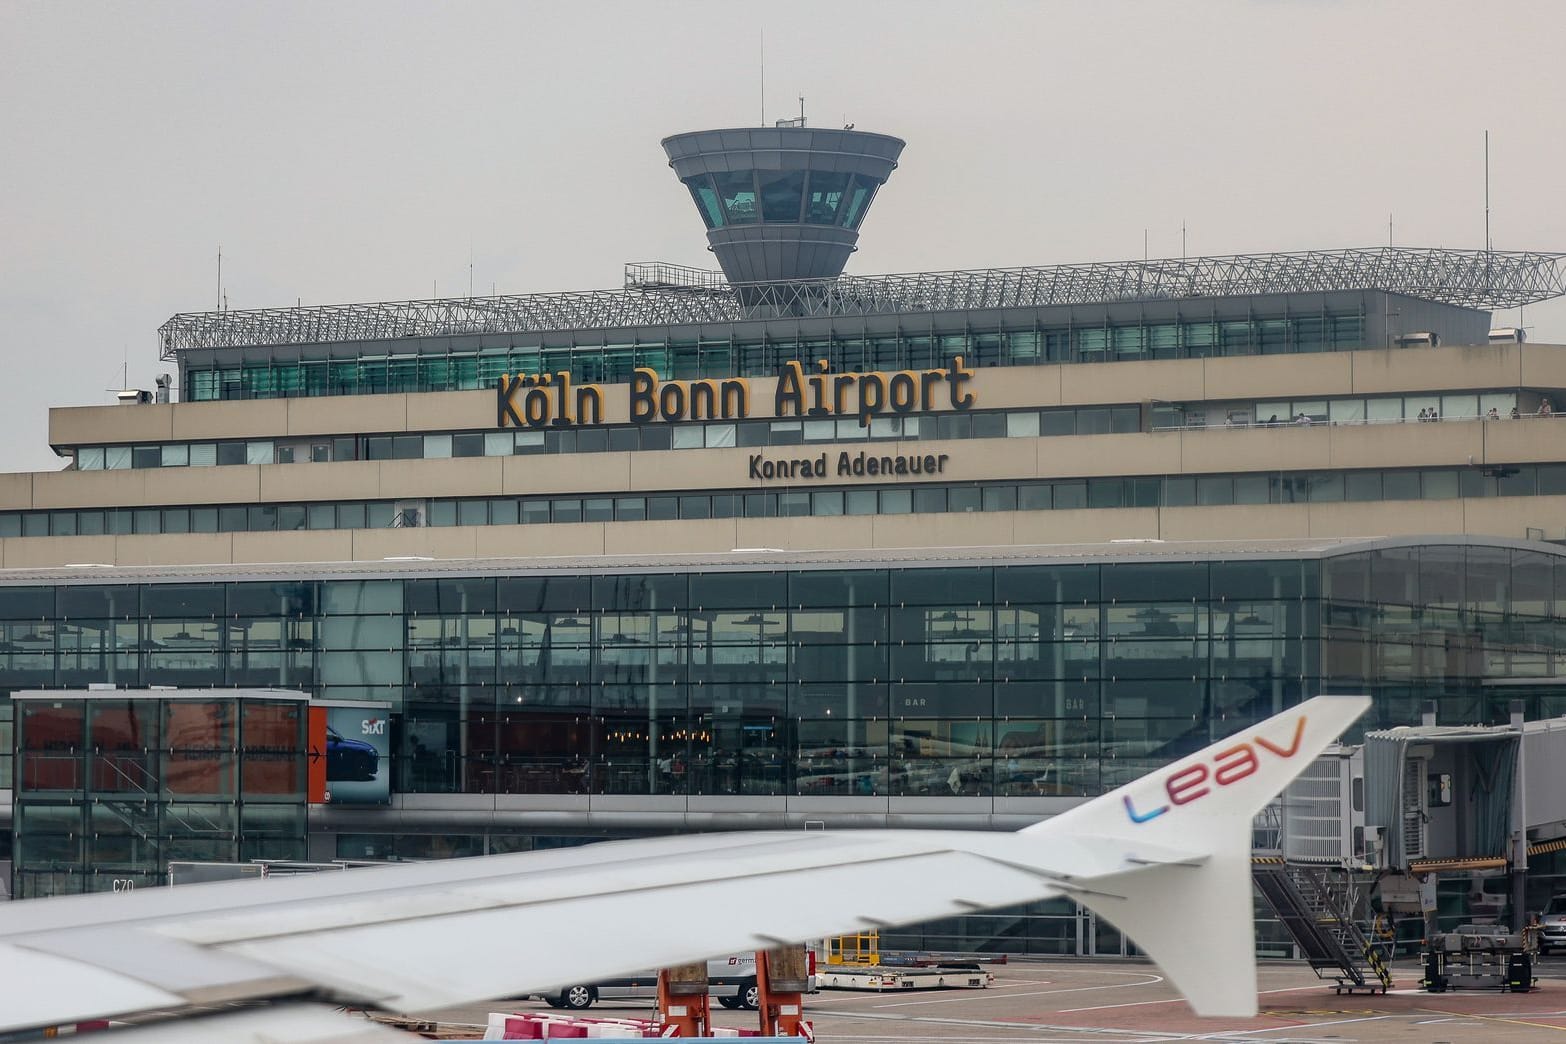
1228,767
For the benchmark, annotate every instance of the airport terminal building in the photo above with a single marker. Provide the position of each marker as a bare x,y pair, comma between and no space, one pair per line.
783,547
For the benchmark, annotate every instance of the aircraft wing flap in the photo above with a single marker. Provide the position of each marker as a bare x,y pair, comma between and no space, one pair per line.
44,989
274,1024
512,950
195,974
467,930
216,898
764,853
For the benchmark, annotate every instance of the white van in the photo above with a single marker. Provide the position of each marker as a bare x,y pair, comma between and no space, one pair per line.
731,980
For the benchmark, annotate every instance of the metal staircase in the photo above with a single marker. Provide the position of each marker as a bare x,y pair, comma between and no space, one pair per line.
134,801
1317,908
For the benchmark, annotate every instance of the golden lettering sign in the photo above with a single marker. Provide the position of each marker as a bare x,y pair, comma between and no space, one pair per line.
550,400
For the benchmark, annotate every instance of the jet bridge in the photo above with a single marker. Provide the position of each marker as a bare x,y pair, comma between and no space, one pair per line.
1443,797
1388,818
1465,799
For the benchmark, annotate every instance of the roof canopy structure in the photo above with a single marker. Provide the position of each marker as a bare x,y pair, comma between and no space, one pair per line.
657,295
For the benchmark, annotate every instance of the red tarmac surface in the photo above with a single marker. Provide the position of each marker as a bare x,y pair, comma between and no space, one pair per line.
1056,1002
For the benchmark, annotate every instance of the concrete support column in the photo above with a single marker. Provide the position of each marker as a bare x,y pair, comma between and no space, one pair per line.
1519,825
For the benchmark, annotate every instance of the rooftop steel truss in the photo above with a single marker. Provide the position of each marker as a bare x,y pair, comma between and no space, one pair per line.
660,294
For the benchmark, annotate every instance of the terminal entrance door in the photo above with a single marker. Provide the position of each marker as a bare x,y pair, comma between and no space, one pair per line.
1102,939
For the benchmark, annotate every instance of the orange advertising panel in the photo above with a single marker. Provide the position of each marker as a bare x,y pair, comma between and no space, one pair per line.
315,754
52,741
199,737
124,745
271,748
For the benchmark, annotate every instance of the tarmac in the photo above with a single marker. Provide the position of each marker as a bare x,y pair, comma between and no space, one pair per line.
1080,1001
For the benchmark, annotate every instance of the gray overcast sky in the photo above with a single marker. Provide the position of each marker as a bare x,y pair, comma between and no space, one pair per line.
362,151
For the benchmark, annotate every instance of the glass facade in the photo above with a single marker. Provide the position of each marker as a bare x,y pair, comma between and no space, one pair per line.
109,789
1387,409
973,681
1300,487
969,681
597,357
1108,419
628,438
731,197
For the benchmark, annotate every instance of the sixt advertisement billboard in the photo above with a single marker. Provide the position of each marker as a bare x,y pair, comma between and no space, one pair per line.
350,753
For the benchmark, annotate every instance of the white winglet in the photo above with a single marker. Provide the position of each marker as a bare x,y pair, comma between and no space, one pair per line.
1195,917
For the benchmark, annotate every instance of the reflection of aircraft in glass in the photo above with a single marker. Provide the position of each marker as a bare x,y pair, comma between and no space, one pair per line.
1167,859
349,759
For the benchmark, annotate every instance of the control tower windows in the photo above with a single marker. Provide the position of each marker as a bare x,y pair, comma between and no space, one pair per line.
858,201
737,188
781,194
706,198
827,189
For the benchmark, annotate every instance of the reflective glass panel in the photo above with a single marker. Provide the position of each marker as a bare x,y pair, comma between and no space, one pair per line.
826,194
858,200
737,189
706,200
780,195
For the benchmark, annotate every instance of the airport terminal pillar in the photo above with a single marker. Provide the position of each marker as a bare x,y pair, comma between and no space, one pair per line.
1519,825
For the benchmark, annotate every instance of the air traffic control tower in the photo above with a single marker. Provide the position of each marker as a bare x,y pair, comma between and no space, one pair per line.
782,203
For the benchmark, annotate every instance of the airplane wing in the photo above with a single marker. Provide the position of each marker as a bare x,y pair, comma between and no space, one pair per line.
1166,858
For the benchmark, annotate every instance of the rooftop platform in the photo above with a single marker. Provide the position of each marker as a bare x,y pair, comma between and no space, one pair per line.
658,295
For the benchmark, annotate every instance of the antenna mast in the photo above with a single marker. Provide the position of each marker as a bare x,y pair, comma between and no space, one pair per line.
220,278
1487,191
761,65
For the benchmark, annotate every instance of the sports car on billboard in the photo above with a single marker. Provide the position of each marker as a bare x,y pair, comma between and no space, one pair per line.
349,759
